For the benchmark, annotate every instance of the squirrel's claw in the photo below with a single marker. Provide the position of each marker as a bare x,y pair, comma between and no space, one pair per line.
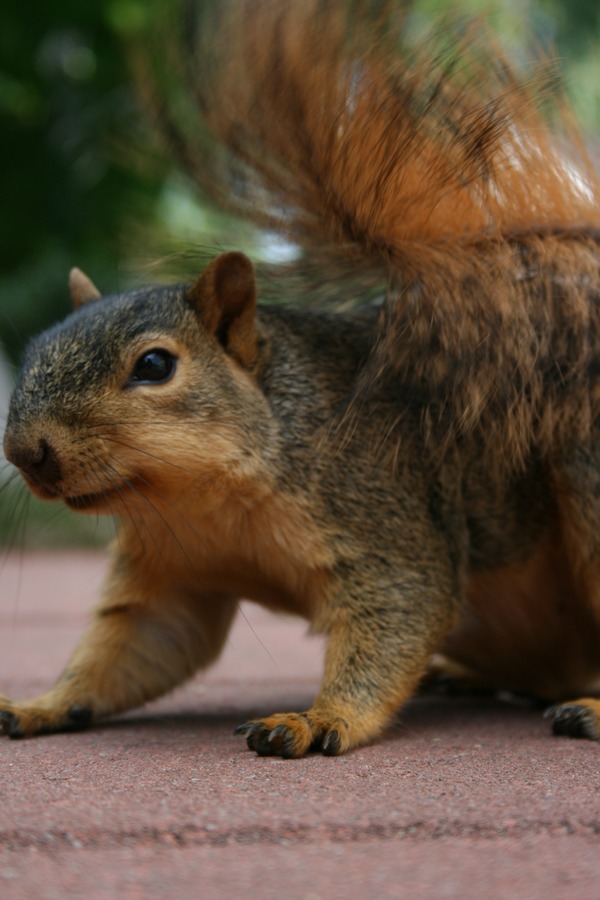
267,741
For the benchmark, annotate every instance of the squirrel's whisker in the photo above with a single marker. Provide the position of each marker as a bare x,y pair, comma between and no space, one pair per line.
121,499
136,449
134,488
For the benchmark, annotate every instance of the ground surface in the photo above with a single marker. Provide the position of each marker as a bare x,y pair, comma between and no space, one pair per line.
464,798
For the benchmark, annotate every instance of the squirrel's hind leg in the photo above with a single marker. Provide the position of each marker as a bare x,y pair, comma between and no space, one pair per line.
576,479
146,638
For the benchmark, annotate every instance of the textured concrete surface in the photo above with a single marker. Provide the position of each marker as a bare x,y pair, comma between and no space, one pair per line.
464,798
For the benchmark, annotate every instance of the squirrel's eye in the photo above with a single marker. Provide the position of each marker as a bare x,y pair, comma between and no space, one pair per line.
153,367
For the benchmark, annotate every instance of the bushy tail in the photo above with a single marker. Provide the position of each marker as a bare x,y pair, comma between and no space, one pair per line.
430,161
326,121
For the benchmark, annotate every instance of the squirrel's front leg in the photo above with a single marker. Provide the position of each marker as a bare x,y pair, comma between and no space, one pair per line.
379,645
145,639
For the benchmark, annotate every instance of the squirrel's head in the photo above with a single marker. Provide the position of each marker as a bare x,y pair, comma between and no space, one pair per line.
142,394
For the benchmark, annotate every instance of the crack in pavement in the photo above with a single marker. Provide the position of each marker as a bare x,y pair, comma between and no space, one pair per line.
211,835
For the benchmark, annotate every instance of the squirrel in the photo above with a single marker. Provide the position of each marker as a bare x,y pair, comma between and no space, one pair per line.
418,475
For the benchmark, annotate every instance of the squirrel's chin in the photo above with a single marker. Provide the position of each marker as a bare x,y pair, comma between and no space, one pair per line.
39,491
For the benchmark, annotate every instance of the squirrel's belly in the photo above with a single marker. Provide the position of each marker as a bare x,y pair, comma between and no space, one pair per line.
528,627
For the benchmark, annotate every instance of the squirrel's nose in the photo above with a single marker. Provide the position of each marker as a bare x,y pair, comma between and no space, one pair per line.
38,463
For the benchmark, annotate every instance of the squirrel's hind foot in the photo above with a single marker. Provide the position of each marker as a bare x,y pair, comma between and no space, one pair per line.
577,718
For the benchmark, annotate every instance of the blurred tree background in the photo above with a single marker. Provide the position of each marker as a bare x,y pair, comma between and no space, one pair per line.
75,192
83,182
65,104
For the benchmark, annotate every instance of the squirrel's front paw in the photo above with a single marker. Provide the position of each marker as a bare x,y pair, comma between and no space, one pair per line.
18,720
291,735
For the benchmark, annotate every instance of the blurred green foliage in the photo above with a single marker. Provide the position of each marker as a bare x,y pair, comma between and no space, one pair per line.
83,182
67,109
76,188
26,522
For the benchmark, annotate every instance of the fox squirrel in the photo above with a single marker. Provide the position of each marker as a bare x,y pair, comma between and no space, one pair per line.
418,477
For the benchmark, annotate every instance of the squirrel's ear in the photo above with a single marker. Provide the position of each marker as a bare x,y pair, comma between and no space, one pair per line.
82,288
225,297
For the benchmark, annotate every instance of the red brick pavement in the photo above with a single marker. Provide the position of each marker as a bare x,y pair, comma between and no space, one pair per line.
464,798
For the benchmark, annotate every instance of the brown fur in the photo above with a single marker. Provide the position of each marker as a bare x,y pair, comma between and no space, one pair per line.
417,479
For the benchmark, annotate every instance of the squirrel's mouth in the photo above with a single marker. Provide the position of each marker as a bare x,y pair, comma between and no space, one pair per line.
77,501
89,501
116,494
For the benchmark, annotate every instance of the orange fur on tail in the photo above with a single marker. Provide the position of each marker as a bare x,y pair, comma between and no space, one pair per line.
430,163
337,125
